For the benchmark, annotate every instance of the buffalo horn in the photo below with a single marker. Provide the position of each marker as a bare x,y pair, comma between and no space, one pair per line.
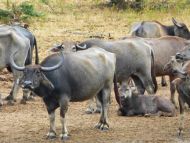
81,47
13,64
53,67
176,23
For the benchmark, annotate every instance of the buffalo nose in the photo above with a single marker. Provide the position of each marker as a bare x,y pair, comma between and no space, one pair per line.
27,84
178,55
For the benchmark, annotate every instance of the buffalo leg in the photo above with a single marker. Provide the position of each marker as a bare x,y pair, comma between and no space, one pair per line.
172,91
147,83
182,115
98,105
1,101
138,84
52,133
103,97
163,81
63,109
26,94
13,92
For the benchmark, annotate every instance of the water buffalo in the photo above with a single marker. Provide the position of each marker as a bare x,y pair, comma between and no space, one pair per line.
129,61
77,77
11,40
154,29
182,71
33,44
137,104
163,49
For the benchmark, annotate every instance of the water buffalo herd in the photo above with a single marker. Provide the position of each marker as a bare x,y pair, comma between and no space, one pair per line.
78,71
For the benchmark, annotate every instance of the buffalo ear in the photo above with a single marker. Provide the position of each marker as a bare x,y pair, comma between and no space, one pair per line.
47,83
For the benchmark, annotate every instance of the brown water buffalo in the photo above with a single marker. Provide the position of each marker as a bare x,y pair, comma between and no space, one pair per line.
137,104
182,84
154,29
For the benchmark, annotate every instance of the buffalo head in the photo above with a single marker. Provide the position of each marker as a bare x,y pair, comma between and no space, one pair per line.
176,67
181,30
184,55
173,64
33,75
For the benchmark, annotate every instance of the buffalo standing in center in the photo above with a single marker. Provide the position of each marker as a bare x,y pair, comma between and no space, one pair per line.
77,77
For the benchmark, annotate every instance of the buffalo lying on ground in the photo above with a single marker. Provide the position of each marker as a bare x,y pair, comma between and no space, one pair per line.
137,104
77,77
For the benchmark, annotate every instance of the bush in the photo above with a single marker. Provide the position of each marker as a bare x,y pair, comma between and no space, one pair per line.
22,11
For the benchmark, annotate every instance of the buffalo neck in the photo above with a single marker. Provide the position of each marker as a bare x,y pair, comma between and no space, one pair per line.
170,30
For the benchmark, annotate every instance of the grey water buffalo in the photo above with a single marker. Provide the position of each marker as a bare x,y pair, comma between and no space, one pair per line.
154,29
146,105
74,77
129,61
23,32
10,41
182,71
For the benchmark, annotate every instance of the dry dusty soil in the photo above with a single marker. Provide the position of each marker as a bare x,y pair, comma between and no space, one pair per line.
29,123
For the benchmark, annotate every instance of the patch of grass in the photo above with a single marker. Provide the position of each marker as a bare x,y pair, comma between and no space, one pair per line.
22,11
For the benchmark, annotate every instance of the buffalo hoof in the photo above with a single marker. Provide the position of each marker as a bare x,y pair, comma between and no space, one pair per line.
23,101
180,133
1,103
89,111
10,98
31,98
64,137
51,135
102,126
98,110
10,102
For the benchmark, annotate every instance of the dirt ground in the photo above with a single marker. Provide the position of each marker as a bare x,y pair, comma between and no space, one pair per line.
29,124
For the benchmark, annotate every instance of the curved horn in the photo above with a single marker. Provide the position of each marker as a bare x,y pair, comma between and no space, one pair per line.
57,47
53,67
176,23
13,64
81,47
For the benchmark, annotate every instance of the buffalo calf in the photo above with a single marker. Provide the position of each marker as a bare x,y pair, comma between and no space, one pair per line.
137,104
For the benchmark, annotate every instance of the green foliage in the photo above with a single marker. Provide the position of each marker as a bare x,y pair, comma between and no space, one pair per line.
22,11
156,5
28,9
5,15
